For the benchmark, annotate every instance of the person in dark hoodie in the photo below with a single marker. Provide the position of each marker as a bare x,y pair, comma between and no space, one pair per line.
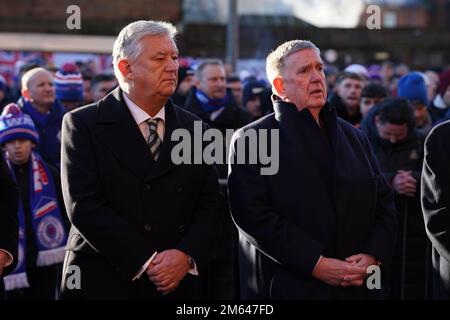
184,85
398,146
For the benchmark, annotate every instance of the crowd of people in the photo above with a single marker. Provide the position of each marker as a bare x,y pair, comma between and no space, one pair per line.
384,111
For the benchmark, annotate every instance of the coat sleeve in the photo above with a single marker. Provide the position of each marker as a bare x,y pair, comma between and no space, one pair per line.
382,242
9,204
273,235
105,230
436,190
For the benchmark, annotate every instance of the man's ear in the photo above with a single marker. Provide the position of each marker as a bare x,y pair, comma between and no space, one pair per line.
125,69
25,94
278,84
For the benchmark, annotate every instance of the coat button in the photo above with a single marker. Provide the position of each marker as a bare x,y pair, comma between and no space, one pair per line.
181,228
147,227
179,188
147,187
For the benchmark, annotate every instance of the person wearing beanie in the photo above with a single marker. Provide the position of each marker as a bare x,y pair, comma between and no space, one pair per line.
440,107
69,86
358,69
184,85
39,102
253,91
42,219
412,88
372,94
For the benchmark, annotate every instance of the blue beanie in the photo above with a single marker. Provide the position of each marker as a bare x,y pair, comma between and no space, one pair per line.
68,83
15,125
412,87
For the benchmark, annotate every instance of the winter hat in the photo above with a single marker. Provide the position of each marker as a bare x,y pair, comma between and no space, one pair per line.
252,89
183,72
412,87
374,72
14,125
444,82
357,68
69,83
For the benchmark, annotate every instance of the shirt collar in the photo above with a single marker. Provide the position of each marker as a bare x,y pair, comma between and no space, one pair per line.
140,115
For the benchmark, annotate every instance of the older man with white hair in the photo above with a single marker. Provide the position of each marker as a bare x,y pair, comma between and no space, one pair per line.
142,227
311,230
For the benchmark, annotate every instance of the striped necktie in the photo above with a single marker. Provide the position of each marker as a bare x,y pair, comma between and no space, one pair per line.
153,141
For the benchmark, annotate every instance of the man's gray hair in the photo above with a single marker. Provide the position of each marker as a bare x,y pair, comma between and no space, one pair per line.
127,44
275,60
204,63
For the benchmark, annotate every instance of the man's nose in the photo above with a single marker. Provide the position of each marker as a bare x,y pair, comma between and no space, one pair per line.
172,65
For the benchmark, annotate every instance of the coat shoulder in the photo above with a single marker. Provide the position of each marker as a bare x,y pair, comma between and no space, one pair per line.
441,132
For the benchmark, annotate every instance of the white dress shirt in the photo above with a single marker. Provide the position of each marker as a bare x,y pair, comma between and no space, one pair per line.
141,117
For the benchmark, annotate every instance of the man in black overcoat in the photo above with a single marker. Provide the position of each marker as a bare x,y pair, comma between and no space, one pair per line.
142,225
314,228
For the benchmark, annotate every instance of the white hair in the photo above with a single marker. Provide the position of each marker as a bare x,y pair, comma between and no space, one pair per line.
127,44
275,60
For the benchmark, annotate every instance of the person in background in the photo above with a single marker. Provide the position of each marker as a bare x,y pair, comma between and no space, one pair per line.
39,102
101,85
184,85
252,98
43,223
69,86
412,87
347,96
87,91
234,84
371,95
398,146
435,205
5,94
439,108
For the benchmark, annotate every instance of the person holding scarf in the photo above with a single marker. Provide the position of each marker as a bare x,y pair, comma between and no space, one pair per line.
41,214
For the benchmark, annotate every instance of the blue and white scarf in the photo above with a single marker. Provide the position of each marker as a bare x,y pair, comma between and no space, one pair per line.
48,226
210,105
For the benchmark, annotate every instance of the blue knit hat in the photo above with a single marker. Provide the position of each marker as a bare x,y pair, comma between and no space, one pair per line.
15,125
412,87
68,83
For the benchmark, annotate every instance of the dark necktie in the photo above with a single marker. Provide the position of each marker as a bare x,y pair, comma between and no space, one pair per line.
153,141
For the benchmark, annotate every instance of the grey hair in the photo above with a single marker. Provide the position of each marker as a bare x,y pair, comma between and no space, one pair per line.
127,44
203,64
275,60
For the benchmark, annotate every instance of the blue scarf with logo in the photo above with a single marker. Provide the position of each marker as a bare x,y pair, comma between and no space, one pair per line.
210,105
48,226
